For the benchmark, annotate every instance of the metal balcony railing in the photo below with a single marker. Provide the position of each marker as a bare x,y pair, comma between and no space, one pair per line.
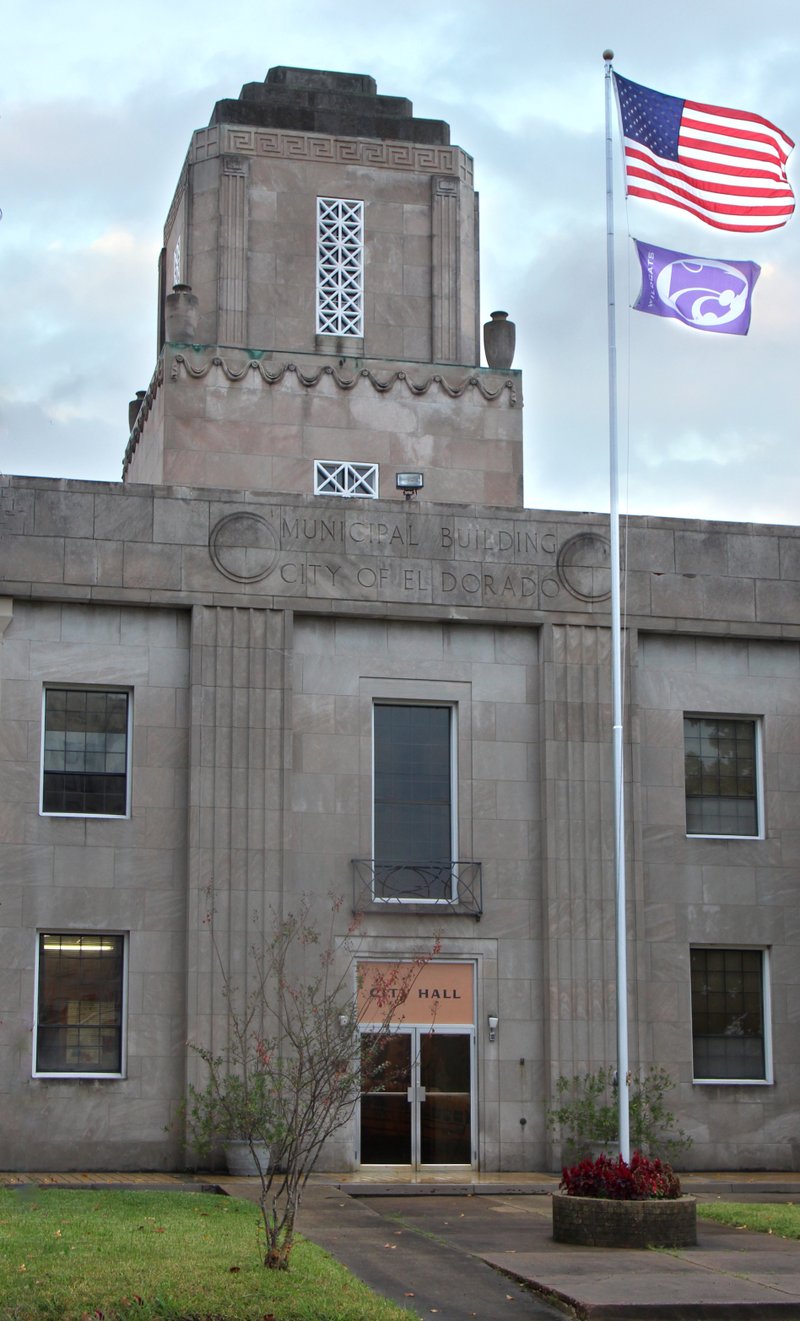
417,887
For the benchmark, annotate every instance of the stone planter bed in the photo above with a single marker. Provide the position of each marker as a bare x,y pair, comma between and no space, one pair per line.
601,1222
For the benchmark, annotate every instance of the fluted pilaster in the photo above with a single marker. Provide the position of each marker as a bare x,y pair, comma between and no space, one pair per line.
236,795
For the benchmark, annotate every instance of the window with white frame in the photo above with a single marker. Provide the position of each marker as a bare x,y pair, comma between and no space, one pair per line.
721,768
340,266
413,802
79,1004
730,1015
85,745
332,477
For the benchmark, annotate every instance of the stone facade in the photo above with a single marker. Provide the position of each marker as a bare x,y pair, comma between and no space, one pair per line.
255,626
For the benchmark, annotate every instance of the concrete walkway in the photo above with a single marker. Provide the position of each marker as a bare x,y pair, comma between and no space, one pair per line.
429,1245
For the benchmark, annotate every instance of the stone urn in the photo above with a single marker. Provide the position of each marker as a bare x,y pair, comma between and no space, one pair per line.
499,340
134,408
603,1222
242,1160
181,314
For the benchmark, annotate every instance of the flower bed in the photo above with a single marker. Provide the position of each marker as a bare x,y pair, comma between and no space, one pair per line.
610,1204
599,1222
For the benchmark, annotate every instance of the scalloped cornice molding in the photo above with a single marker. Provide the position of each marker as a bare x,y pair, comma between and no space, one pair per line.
506,389
310,379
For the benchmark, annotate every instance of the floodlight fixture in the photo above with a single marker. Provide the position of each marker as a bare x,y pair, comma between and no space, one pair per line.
409,483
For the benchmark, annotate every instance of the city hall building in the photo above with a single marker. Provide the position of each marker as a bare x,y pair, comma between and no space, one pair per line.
313,643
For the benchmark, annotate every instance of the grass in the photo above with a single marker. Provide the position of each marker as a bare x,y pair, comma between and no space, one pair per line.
102,1256
779,1218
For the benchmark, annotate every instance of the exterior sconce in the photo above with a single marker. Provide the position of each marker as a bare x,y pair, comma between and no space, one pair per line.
344,1022
494,1023
409,482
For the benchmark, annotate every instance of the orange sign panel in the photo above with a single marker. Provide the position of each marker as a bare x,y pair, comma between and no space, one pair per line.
433,993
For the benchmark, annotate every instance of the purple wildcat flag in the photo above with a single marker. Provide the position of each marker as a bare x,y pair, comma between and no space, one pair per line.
700,291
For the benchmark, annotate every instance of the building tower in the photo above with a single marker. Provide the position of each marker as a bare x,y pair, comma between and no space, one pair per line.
330,332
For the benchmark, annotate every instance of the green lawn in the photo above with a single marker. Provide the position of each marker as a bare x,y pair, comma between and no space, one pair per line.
781,1218
101,1256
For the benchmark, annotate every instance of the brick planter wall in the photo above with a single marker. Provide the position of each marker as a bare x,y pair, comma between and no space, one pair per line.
599,1222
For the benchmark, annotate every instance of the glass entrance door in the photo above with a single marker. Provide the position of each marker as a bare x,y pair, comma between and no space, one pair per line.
416,1099
386,1137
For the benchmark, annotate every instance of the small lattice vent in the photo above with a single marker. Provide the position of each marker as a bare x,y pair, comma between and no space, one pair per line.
340,266
332,477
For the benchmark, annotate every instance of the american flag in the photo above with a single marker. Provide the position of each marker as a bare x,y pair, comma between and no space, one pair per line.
727,167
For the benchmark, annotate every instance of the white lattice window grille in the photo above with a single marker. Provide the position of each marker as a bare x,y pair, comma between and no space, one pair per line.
340,266
332,477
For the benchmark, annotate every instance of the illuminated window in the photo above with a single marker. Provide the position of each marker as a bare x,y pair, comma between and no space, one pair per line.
85,752
79,1004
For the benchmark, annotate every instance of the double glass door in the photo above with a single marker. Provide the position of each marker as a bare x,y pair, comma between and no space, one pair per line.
416,1098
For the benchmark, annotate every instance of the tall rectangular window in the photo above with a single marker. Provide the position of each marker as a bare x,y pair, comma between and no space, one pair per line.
413,802
85,752
721,776
340,266
79,1004
729,995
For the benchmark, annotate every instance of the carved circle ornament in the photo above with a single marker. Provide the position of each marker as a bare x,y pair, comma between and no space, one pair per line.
583,566
243,547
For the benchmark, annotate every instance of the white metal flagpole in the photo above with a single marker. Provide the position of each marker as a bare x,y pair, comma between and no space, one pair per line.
616,656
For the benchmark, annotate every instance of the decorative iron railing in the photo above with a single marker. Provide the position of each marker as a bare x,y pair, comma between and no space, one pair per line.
417,887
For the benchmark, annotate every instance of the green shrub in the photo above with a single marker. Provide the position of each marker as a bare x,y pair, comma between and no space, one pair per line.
586,1111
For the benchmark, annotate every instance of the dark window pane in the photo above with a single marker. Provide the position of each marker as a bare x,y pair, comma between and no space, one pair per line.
385,1130
720,776
85,761
727,1014
413,809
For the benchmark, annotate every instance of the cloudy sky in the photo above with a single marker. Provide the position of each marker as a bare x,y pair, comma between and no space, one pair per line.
97,105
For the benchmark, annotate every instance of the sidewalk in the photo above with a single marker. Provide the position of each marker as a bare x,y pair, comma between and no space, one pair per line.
427,1238
429,1245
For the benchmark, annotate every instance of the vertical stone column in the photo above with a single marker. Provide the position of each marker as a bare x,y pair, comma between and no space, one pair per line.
579,848
235,805
445,273
232,289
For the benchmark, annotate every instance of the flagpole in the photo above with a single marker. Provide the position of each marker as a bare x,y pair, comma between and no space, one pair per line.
616,657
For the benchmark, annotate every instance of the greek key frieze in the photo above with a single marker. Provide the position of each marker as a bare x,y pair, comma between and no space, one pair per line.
251,141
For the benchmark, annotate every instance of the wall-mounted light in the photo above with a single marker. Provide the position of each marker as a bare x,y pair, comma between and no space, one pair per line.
494,1023
409,482
344,1021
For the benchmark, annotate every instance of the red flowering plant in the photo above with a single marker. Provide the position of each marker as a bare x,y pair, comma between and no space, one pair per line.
641,1181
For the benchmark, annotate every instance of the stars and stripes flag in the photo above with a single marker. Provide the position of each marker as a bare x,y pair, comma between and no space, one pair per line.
726,167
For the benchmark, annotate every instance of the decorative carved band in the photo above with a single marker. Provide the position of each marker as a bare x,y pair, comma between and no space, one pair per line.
226,139
506,389
344,382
